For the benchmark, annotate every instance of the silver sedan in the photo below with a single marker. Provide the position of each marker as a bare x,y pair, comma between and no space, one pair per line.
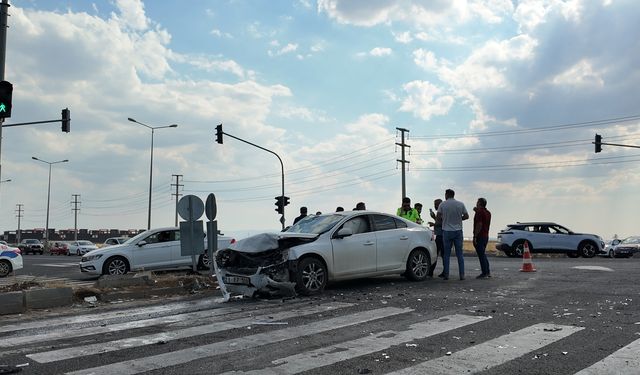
326,248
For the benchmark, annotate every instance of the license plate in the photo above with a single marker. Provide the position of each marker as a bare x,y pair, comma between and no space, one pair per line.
236,280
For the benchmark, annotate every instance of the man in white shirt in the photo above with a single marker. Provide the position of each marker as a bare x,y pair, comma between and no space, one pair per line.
452,213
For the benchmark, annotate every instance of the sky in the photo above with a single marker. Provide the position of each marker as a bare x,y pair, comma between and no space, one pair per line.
500,99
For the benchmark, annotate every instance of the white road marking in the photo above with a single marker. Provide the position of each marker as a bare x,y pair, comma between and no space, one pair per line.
366,345
130,314
191,354
625,361
132,342
59,265
86,331
494,352
593,268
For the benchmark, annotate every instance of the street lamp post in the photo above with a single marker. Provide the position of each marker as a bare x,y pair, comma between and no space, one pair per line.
153,128
46,233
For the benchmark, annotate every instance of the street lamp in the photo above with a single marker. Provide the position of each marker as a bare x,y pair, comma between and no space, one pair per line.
46,233
153,128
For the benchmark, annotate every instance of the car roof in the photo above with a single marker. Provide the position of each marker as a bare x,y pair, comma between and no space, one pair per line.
533,223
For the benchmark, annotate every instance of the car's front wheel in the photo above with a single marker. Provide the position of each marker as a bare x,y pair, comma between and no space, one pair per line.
518,248
115,266
204,263
78,252
311,277
587,249
5,268
418,265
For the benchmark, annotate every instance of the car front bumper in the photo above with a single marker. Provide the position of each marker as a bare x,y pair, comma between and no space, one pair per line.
92,268
16,263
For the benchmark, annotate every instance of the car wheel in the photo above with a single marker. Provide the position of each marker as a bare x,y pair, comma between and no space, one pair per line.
587,249
518,248
573,254
203,261
418,265
115,266
311,277
78,252
611,254
5,268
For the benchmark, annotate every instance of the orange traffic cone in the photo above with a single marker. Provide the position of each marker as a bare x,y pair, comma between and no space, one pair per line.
527,265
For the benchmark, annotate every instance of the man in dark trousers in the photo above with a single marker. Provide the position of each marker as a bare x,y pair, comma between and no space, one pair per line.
452,213
481,223
303,214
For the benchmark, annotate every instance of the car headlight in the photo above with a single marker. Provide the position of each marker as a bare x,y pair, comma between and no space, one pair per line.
91,257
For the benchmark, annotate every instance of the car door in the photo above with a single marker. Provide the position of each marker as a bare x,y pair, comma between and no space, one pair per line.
155,250
562,239
541,237
392,242
354,254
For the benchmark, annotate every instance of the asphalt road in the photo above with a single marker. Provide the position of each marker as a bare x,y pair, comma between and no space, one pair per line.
570,316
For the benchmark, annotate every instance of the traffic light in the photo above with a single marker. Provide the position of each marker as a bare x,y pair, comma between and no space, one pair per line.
598,143
219,133
280,205
286,201
66,120
6,91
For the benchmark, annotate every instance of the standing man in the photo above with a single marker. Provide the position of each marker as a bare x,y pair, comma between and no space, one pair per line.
406,211
481,223
303,214
452,213
437,229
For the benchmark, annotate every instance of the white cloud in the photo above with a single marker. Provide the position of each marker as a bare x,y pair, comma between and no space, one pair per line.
581,74
220,34
425,100
132,14
403,37
289,48
380,51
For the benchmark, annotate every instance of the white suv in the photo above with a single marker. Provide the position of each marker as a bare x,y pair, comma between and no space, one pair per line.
152,249
546,237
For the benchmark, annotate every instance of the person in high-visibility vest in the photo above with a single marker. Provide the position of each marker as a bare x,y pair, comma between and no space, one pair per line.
408,212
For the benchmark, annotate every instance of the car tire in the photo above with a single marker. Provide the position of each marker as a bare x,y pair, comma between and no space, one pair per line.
587,249
611,254
418,265
5,268
311,277
203,261
78,252
115,266
518,248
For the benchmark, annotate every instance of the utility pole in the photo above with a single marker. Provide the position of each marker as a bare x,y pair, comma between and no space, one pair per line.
19,216
75,208
177,194
4,12
404,161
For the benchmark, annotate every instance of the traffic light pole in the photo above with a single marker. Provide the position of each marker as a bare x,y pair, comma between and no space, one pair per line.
282,219
598,142
4,13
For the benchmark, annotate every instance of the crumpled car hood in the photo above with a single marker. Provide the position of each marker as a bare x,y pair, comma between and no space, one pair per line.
271,241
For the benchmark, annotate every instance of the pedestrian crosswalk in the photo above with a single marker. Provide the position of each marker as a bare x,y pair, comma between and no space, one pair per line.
302,335
18,279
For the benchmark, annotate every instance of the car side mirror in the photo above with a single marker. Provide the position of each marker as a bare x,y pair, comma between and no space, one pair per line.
141,243
344,232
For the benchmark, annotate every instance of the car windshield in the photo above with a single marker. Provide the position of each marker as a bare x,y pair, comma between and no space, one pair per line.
316,224
630,240
85,243
31,241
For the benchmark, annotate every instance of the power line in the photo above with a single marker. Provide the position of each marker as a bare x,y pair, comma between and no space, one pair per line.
535,129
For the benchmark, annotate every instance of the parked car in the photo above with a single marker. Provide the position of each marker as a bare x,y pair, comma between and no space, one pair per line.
547,237
10,260
152,249
30,245
608,247
59,248
325,248
114,241
627,247
80,247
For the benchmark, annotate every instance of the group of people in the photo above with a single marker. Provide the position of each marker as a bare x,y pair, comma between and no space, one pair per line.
447,225
360,206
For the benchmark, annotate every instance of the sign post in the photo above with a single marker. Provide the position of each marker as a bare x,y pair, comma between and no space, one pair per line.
191,208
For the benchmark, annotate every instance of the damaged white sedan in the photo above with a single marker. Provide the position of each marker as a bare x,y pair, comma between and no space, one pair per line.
326,248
